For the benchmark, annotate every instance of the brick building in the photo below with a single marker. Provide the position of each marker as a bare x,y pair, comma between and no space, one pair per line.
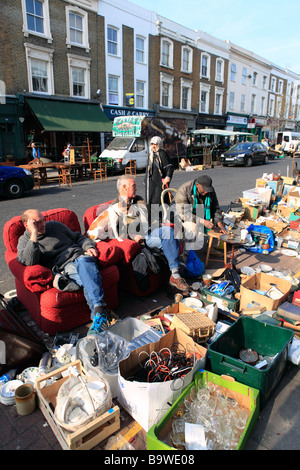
52,67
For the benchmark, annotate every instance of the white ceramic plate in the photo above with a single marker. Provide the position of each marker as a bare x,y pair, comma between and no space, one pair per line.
10,387
7,396
265,268
289,252
247,270
277,274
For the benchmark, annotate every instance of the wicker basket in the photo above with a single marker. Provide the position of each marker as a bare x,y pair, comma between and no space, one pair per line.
194,324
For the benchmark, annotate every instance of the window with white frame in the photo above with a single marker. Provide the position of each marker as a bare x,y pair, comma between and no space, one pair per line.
39,69
218,100
77,27
186,59
252,104
186,94
264,82
273,84
243,102
280,86
79,76
113,90
219,70
36,19
39,75
244,76
112,40
231,100
262,105
254,79
271,106
140,49
166,90
205,66
166,56
278,107
140,94
204,98
233,72
286,110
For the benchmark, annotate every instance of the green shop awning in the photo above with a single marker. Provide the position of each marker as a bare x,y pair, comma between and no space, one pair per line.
64,116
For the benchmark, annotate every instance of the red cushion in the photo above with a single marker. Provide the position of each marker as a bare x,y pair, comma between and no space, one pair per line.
125,250
109,253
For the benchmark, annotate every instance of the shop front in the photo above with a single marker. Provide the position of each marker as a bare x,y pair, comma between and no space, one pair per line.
11,131
52,124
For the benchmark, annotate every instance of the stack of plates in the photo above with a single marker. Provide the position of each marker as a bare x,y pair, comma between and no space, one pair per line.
7,396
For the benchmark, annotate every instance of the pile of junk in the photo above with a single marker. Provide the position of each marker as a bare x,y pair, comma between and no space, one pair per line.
194,374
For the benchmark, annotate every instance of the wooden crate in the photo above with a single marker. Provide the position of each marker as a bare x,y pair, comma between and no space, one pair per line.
86,437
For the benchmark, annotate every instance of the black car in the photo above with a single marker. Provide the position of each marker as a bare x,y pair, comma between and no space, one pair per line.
245,153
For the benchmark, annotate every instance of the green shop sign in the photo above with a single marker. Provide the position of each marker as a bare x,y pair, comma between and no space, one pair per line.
127,126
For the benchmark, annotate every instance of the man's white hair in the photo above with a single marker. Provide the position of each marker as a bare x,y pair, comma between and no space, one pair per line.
123,180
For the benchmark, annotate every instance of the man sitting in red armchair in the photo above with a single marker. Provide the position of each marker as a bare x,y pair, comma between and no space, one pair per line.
54,245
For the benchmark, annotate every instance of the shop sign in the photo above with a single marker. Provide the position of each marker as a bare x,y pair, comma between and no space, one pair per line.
115,111
241,120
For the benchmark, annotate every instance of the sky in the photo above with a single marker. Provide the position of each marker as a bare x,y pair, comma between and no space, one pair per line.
269,28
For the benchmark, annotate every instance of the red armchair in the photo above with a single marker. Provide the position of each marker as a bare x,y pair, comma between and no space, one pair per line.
126,251
51,309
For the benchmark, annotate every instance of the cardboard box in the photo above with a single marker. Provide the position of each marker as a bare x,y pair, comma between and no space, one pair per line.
86,437
260,183
275,225
285,210
253,288
158,437
252,212
294,197
147,402
291,239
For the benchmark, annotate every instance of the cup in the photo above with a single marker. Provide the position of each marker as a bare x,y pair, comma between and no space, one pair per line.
244,233
178,298
207,279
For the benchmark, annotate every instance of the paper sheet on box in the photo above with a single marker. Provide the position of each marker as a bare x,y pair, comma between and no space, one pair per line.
194,437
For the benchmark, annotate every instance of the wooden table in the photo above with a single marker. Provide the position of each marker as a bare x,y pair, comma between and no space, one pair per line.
80,169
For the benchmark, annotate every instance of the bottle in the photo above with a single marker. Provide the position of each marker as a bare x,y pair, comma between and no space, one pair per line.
45,363
8,376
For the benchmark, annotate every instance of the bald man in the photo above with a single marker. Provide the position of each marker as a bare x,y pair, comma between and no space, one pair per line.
53,244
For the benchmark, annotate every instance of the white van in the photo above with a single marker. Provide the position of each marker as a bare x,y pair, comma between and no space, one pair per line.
288,140
132,136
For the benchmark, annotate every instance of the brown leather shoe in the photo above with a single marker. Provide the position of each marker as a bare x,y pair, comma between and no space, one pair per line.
179,283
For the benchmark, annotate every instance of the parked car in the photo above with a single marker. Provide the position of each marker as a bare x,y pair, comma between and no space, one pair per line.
245,153
14,181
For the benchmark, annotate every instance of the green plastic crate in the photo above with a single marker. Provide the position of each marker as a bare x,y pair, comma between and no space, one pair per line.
266,340
157,434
